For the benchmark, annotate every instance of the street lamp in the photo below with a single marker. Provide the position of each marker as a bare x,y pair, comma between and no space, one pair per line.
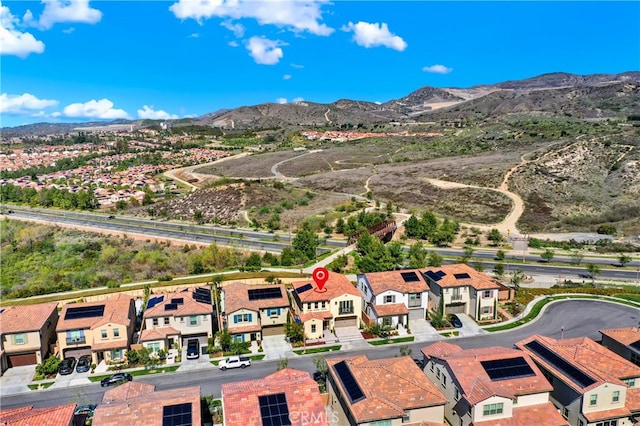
562,332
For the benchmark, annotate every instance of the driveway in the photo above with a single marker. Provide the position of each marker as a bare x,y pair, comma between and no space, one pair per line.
16,379
469,326
348,334
422,330
275,347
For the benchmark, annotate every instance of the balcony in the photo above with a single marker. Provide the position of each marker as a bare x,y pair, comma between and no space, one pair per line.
456,297
76,340
346,310
415,303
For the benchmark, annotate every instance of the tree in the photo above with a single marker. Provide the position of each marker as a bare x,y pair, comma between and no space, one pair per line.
495,237
498,270
500,255
294,331
576,257
547,255
224,340
305,244
624,259
396,250
405,350
417,256
517,277
282,364
254,261
593,270
435,259
321,365
198,217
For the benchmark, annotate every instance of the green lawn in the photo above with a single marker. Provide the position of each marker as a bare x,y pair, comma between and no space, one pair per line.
451,333
139,372
390,341
36,386
318,350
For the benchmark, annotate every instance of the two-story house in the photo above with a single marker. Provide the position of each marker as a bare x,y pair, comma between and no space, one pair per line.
26,333
460,289
171,319
623,341
102,329
250,312
390,391
393,297
592,386
338,304
494,385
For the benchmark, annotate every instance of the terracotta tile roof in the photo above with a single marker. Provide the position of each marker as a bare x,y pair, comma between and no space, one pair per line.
104,346
138,404
315,315
632,401
190,306
244,328
379,282
391,386
440,349
241,404
236,296
626,335
336,286
116,310
540,414
390,309
59,415
614,413
19,319
161,333
477,280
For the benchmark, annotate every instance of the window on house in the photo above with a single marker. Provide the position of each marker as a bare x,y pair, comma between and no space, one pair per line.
103,333
309,306
487,309
593,400
444,381
153,347
381,423
386,321
242,318
406,417
565,412
630,382
316,305
580,422
438,373
166,320
390,299
116,354
155,321
324,305
431,365
193,320
19,339
457,394
616,396
492,409
116,332
313,328
635,358
486,293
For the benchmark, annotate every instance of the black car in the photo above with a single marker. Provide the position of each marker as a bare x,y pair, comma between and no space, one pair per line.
84,363
66,366
455,321
193,349
116,379
318,376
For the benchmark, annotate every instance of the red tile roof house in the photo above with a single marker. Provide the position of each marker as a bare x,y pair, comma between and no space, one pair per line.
250,312
623,341
59,415
172,319
460,289
338,305
139,404
591,384
26,333
102,329
393,297
389,391
490,386
287,395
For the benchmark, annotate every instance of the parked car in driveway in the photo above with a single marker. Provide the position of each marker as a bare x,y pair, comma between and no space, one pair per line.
67,365
116,379
455,321
193,349
84,363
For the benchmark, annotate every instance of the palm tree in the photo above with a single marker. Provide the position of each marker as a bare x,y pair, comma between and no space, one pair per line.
593,270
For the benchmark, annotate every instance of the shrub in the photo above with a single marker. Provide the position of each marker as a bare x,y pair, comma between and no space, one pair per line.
49,366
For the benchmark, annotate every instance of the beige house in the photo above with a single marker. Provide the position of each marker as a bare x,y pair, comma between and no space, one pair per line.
460,289
250,312
623,341
171,319
592,386
26,333
102,329
391,392
494,385
339,304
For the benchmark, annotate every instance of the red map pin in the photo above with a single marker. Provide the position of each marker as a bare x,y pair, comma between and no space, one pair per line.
320,276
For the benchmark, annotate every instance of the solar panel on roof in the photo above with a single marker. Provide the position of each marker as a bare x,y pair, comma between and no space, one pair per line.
170,307
177,415
203,290
433,275
202,298
349,382
304,288
441,274
462,276
634,345
409,277
154,301
274,410
84,312
505,369
265,293
178,301
575,375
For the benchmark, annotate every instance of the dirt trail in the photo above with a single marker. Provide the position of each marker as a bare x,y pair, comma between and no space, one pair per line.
184,174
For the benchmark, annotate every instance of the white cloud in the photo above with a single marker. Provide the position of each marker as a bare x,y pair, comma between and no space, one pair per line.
298,99
437,69
194,35
25,104
373,35
14,42
150,113
265,51
297,66
60,11
281,100
94,109
233,43
297,15
68,30
286,77
237,29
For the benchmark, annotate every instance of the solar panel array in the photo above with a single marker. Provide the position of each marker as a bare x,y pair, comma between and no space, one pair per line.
349,382
202,295
409,277
154,301
576,376
462,276
177,415
505,369
436,276
304,288
274,410
265,293
636,345
178,301
84,312
171,307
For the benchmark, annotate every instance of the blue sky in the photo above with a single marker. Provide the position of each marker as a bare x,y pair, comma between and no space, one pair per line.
74,61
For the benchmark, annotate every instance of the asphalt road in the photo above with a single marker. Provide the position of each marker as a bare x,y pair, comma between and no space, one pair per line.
578,317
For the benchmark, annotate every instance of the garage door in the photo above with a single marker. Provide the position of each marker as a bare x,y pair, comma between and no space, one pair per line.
77,353
273,330
346,322
457,309
20,360
416,314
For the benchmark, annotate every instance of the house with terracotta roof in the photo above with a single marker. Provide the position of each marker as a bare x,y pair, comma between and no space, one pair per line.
623,341
171,319
390,391
59,415
103,329
139,404
393,297
26,333
490,386
250,312
338,304
286,395
592,386
460,289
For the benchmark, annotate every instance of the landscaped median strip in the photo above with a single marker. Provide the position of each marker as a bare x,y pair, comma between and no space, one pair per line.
139,372
317,350
390,341
36,386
